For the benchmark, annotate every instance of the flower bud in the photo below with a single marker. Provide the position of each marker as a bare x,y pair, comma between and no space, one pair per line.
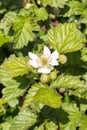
44,78
53,74
28,5
62,59
39,2
62,90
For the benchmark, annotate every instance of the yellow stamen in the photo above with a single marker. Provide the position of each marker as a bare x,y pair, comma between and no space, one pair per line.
44,61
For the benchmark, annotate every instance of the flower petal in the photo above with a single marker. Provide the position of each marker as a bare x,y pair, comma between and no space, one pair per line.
34,63
33,56
54,55
44,70
46,52
53,62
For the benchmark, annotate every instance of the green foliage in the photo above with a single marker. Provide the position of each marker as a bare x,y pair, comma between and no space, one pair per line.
43,65
74,116
17,66
83,123
41,13
48,97
55,3
84,54
41,93
67,81
4,39
76,8
23,28
14,87
65,38
24,120
7,21
31,93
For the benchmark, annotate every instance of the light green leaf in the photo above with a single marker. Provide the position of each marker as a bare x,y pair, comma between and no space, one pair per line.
84,54
5,126
4,75
17,66
14,87
65,38
76,8
23,28
74,116
80,93
48,97
50,125
67,81
41,13
4,39
84,16
83,125
7,22
55,3
31,93
24,120
41,127
85,77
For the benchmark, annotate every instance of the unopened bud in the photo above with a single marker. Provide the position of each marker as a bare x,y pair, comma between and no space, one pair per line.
44,78
53,74
62,90
28,5
39,2
62,59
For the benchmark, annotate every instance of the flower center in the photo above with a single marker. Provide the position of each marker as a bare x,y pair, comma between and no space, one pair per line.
44,61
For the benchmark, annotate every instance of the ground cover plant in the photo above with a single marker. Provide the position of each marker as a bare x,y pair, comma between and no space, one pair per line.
43,65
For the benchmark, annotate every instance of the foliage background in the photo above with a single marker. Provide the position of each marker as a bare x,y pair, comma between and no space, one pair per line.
60,101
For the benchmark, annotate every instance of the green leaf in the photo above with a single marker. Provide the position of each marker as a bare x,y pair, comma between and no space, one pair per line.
65,38
41,13
29,99
17,66
80,93
23,28
74,116
24,120
50,126
4,39
55,3
4,75
84,54
75,8
83,125
41,127
14,87
5,126
7,22
67,81
48,97
84,17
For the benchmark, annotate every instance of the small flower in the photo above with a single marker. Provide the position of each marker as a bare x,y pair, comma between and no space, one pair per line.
45,62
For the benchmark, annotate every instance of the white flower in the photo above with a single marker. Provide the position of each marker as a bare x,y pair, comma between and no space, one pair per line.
46,62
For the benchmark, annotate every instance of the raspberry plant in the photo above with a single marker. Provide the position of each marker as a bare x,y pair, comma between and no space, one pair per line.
40,90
